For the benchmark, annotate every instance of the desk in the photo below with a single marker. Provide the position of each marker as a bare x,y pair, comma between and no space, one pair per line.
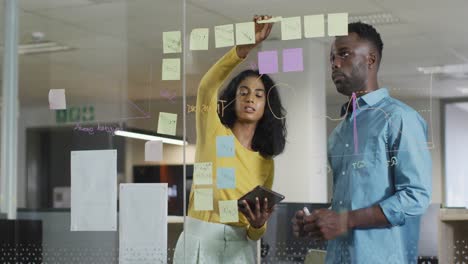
453,235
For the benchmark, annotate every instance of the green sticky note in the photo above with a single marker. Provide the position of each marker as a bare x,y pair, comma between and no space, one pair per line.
199,39
338,24
224,36
172,42
171,69
228,212
245,33
203,173
291,28
167,124
203,199
314,26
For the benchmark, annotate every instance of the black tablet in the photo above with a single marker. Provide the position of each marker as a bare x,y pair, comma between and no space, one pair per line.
262,193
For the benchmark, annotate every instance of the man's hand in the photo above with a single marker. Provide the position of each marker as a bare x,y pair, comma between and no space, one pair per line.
327,224
298,224
262,31
300,221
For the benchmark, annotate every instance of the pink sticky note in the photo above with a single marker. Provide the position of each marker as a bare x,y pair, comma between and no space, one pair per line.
292,60
268,61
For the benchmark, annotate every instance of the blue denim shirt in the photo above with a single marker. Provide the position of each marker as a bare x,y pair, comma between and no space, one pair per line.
390,167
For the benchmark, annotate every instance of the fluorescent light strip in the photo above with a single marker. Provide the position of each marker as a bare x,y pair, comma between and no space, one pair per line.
40,48
463,90
447,69
22,51
149,137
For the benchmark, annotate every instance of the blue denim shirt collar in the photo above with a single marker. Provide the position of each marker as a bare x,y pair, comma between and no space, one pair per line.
374,97
369,99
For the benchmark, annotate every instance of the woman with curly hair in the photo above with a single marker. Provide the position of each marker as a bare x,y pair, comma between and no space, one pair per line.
249,113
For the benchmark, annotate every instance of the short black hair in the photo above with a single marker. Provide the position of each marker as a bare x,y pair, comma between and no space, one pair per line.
270,135
367,32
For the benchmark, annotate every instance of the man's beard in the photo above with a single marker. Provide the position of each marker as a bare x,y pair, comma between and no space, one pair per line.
349,85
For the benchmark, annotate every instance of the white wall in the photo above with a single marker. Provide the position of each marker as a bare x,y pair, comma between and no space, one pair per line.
300,172
456,141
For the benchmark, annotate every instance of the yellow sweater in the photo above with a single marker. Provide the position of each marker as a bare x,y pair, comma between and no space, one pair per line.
251,169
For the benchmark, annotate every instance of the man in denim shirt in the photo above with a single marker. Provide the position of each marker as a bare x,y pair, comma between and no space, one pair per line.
380,160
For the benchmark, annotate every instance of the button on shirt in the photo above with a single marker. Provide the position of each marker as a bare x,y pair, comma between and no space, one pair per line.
390,167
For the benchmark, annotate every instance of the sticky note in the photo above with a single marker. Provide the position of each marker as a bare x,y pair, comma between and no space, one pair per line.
271,20
203,173
167,124
291,28
57,99
338,24
228,212
268,61
292,60
225,146
199,39
225,178
314,26
93,190
171,69
203,199
172,42
245,33
143,228
224,36
154,150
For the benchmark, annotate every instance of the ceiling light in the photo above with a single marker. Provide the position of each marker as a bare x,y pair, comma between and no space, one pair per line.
375,18
446,69
463,90
41,47
145,136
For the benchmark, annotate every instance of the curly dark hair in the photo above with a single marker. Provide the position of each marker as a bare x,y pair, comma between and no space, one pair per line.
270,135
369,33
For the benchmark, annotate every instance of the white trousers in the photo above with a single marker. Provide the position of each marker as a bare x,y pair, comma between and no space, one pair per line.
213,243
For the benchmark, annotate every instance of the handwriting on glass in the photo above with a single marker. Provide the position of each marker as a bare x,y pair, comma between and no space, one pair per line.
173,44
170,95
91,130
362,164
205,108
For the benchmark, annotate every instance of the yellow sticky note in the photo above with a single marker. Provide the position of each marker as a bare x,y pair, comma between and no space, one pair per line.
199,39
314,26
245,33
203,199
224,36
172,42
338,24
228,212
167,123
171,69
291,28
203,173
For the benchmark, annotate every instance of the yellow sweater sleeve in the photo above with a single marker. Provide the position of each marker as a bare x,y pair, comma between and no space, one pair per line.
207,97
256,233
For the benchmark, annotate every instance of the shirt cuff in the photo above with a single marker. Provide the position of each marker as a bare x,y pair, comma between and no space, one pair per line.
256,233
392,211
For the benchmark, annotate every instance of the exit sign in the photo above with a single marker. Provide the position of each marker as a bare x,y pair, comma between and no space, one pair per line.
75,114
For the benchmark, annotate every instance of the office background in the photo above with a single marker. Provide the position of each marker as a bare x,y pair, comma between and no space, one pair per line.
107,55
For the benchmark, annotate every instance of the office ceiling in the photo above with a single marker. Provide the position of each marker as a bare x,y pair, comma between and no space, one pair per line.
118,43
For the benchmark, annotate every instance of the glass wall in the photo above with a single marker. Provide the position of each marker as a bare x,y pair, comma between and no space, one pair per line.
142,124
